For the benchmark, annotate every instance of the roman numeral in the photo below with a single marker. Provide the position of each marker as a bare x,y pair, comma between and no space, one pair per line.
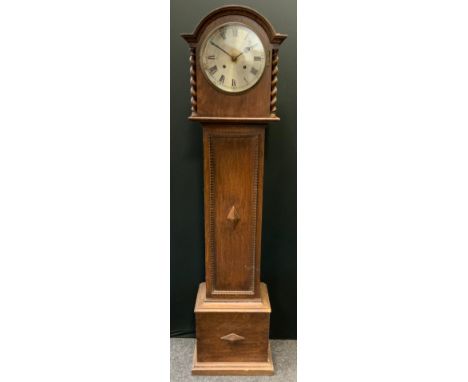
254,71
233,83
234,31
221,79
257,58
222,33
211,57
213,70
245,79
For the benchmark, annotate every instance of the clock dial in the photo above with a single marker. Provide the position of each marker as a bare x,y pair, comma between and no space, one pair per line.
233,57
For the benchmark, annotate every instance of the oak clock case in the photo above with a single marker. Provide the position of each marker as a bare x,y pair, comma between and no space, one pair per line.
233,87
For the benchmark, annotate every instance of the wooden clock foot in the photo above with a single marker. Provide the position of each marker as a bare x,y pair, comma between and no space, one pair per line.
232,336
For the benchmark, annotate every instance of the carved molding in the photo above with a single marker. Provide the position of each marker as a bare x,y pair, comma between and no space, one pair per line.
211,216
241,10
274,81
232,337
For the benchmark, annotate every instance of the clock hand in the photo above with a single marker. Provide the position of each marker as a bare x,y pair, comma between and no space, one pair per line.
247,48
235,58
217,46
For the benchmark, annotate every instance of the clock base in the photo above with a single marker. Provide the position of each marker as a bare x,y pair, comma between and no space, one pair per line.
232,336
232,368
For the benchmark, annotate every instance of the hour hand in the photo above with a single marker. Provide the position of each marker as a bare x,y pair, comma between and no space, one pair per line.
217,46
235,57
246,49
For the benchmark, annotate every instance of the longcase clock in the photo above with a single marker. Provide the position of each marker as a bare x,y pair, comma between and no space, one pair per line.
233,78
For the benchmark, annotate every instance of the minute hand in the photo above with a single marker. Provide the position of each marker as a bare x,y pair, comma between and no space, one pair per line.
217,46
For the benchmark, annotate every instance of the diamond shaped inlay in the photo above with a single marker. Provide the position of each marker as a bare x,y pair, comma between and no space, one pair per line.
232,337
233,216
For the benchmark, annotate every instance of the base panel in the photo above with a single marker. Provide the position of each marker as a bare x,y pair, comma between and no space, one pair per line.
232,368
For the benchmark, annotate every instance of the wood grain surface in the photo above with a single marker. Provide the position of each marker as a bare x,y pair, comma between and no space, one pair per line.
233,172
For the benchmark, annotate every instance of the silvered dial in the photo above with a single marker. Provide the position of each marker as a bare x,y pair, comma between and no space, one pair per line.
233,57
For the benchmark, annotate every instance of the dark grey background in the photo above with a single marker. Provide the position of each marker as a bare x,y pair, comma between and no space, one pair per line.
279,208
